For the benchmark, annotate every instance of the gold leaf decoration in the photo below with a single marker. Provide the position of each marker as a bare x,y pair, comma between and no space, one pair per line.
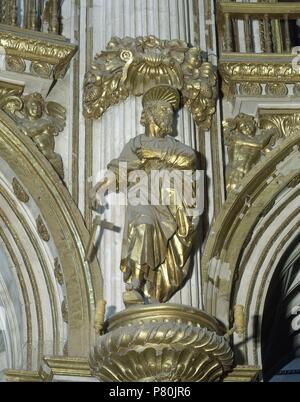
131,66
41,69
42,230
15,63
250,89
58,272
19,191
164,347
276,89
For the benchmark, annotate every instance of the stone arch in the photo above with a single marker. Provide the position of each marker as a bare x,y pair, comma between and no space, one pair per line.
68,237
247,240
280,334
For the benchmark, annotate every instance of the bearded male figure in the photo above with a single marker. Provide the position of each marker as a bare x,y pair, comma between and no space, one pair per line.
158,238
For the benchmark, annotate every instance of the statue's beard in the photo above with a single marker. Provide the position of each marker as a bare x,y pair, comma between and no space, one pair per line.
165,127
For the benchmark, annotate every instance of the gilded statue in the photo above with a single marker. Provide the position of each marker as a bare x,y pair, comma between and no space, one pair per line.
158,237
245,147
42,121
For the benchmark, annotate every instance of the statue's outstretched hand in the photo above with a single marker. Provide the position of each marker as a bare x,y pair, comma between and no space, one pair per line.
94,201
95,194
144,153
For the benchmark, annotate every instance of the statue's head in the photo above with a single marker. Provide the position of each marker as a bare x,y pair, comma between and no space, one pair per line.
34,105
160,104
193,57
246,125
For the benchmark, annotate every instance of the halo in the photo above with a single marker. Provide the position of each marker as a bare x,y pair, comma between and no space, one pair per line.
162,93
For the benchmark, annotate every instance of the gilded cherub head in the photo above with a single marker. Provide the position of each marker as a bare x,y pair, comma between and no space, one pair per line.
34,105
246,124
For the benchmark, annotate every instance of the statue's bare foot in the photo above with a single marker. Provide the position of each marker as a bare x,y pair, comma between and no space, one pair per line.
131,297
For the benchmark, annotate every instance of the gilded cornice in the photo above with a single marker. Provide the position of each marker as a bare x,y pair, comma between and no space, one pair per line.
22,45
256,69
243,374
52,366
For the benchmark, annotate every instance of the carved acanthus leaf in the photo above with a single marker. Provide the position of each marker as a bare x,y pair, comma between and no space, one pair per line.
284,123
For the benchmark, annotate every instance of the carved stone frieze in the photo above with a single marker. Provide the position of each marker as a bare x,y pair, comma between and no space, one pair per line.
130,66
276,75
36,47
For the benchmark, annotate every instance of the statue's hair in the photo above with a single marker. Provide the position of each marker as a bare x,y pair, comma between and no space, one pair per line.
35,96
244,118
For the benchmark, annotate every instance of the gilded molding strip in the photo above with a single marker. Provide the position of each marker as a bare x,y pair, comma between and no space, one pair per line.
76,108
196,22
26,299
243,374
52,366
88,123
208,24
217,181
37,47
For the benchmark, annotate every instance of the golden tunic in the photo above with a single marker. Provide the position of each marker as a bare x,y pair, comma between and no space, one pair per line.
157,239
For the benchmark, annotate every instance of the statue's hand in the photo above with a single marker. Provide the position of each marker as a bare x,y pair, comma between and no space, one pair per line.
94,200
96,195
143,153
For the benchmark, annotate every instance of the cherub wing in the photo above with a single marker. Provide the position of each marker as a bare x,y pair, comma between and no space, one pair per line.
57,114
228,127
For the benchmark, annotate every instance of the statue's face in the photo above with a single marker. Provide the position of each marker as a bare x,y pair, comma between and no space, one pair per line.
159,115
34,108
248,128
